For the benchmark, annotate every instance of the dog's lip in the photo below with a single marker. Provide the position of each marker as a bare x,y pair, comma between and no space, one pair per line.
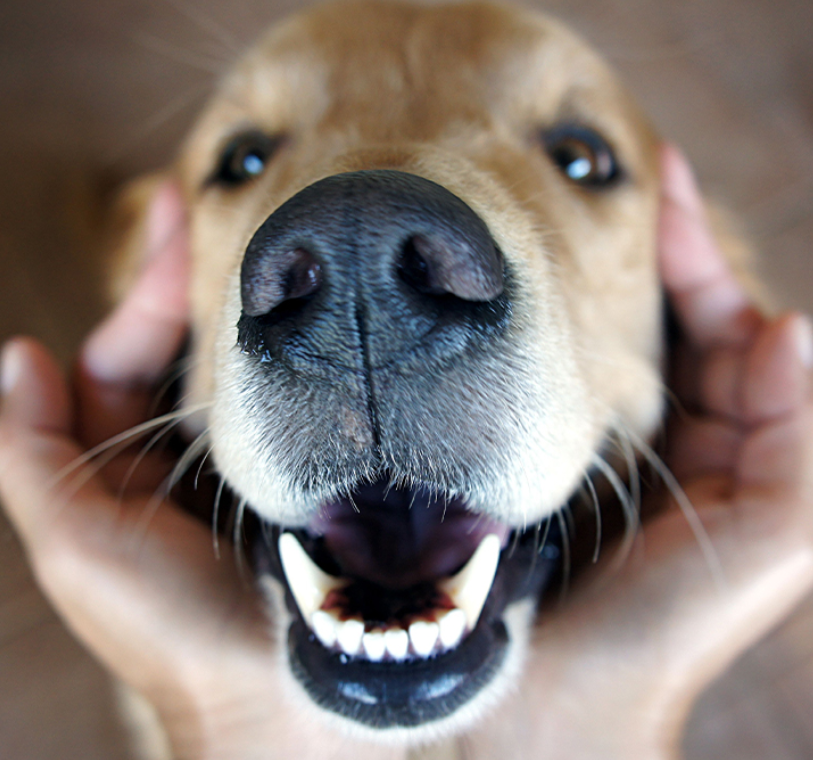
386,695
414,690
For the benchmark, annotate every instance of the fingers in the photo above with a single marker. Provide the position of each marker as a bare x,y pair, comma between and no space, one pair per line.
778,452
777,369
744,368
137,582
700,446
710,304
34,391
130,351
35,446
137,341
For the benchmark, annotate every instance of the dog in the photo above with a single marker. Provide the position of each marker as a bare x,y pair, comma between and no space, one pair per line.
425,306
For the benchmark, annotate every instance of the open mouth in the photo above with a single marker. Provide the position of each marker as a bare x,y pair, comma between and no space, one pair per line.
398,598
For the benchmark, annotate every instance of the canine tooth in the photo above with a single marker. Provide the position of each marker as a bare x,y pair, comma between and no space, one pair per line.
423,636
349,635
324,626
309,583
452,625
374,646
397,642
469,588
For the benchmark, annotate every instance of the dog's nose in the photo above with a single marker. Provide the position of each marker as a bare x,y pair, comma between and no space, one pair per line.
369,264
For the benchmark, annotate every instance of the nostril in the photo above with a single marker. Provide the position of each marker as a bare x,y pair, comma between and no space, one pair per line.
415,269
274,279
452,265
304,275
367,269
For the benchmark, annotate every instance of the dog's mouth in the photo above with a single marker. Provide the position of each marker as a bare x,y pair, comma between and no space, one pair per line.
398,598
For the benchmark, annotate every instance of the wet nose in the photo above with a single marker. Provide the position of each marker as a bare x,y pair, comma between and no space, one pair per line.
365,267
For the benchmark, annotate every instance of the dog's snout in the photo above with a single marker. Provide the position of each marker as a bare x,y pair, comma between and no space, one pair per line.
363,267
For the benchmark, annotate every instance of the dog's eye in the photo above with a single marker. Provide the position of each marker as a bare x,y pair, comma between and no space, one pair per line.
582,155
244,158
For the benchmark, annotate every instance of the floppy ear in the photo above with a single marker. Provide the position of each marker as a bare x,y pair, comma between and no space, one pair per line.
129,226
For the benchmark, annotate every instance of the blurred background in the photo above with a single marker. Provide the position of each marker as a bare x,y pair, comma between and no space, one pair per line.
93,92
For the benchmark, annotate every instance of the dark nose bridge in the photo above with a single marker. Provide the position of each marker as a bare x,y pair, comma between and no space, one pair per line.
360,267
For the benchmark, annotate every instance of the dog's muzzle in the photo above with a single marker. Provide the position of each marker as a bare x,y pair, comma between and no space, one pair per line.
382,298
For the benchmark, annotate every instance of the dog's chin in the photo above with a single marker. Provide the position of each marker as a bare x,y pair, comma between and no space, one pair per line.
405,614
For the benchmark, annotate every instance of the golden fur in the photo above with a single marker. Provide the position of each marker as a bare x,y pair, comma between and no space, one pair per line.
459,95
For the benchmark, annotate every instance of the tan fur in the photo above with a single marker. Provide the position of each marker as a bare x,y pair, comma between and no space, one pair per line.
464,110
458,95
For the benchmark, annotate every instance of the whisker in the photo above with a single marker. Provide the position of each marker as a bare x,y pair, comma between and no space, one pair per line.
544,535
631,521
237,531
189,58
146,517
628,450
188,457
175,372
215,516
162,492
540,545
124,439
591,488
207,24
563,529
200,466
143,453
690,514
157,120
517,534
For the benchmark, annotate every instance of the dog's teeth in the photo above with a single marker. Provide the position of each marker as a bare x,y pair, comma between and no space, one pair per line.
423,636
324,626
452,626
309,584
349,636
397,642
374,646
469,588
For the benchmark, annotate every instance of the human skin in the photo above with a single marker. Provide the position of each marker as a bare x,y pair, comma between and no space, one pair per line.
177,623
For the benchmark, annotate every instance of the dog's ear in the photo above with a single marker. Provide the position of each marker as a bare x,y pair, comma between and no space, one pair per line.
135,225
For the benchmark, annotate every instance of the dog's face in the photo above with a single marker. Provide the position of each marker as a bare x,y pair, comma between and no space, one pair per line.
424,299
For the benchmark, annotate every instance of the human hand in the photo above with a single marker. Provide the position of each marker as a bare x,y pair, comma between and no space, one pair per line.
135,578
615,671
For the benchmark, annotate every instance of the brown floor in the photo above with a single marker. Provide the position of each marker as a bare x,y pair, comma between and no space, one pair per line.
102,89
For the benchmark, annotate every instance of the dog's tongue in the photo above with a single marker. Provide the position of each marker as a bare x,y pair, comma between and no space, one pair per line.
398,538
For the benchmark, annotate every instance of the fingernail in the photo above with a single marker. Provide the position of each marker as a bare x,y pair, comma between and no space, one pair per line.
11,366
803,335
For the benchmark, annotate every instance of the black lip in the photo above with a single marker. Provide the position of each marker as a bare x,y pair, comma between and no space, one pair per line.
384,694
415,692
